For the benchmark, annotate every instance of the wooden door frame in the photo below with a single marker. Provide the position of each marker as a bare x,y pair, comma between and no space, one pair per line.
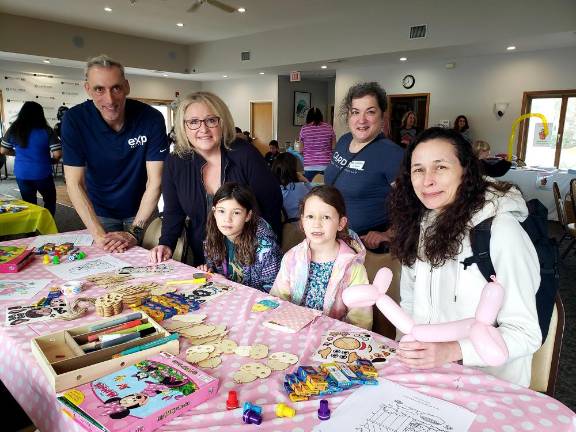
526,105
427,95
251,119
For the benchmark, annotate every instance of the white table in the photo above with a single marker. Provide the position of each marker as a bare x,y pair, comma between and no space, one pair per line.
537,183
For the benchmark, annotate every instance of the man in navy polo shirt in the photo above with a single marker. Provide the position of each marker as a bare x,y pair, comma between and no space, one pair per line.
114,149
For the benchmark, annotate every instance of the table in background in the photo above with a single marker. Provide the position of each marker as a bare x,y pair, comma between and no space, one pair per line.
32,219
526,179
500,406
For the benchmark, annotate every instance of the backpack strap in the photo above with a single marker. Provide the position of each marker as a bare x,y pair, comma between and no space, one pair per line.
480,243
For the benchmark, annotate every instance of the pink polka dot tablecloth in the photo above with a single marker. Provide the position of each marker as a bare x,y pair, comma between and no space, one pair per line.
498,405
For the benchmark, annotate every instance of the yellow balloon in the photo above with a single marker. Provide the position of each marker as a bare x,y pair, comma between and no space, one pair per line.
517,121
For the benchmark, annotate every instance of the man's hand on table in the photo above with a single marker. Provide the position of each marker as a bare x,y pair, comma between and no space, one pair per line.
373,239
116,241
159,254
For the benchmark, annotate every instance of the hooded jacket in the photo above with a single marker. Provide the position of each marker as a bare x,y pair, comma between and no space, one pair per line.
348,270
262,272
452,293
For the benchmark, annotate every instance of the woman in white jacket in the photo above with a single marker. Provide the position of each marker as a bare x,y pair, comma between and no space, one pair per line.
438,196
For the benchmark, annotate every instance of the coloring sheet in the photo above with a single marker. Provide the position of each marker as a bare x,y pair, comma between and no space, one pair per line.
21,289
16,315
206,292
58,239
145,271
389,407
347,347
86,267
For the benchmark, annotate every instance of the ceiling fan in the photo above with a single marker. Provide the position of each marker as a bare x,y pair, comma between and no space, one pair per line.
223,6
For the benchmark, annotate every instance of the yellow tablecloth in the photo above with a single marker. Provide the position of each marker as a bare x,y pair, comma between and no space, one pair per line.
32,219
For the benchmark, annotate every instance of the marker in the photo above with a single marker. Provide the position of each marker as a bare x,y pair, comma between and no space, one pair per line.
93,346
94,337
129,317
162,341
132,329
144,332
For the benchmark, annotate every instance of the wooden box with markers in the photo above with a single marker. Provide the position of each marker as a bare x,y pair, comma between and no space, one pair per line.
82,354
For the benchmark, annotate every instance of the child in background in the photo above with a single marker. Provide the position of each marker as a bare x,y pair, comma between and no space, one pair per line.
273,153
239,244
293,188
481,149
315,272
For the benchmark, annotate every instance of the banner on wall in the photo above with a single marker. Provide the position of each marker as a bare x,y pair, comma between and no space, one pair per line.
50,91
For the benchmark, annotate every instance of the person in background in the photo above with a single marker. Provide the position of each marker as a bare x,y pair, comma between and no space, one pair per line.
461,125
206,155
273,153
239,244
437,197
34,143
114,150
481,149
315,272
239,133
293,188
318,139
408,129
248,137
58,126
364,164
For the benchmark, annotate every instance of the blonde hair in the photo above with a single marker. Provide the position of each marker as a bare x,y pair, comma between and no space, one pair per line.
182,146
480,146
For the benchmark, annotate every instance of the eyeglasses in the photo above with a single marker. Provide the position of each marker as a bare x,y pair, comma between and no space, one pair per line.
194,124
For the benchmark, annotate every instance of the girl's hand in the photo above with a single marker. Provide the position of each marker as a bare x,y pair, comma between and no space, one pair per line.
427,355
159,254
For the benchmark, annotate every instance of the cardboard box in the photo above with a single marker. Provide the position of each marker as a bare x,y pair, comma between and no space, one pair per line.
139,398
66,365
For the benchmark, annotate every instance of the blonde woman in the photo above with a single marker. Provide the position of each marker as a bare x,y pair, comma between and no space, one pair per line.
207,153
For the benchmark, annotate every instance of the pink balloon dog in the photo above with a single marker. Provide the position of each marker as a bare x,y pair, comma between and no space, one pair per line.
486,339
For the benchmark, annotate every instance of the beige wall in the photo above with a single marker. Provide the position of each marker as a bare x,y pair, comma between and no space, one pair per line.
48,39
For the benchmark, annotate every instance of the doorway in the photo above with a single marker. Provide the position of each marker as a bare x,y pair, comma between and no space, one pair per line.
398,105
261,125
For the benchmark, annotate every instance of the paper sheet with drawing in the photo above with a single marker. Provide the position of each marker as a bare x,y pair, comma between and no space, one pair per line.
77,239
21,289
389,407
83,268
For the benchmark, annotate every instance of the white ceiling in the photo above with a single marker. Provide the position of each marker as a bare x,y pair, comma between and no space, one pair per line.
156,19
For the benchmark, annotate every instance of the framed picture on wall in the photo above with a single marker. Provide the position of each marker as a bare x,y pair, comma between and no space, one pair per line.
301,107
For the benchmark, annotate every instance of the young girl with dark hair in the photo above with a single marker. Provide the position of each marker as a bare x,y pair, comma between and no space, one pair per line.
439,195
239,244
34,144
285,168
315,272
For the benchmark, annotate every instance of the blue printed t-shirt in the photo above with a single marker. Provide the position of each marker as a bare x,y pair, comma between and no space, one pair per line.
293,194
115,162
365,182
318,278
33,161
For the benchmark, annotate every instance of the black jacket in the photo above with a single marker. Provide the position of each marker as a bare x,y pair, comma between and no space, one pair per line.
184,193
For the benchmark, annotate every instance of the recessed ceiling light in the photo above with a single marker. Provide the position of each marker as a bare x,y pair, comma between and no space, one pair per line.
323,67
261,73
180,24
403,58
511,48
108,9
241,9
224,76
46,61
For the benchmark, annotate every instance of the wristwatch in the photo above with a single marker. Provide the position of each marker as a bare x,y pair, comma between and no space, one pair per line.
137,232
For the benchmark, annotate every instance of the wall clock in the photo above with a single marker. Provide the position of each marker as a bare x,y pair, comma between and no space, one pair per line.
408,81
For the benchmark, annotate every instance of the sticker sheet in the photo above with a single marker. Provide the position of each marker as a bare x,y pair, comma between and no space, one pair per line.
21,289
347,347
206,292
31,314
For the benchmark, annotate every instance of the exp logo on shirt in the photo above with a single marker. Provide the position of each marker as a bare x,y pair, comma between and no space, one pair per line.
140,140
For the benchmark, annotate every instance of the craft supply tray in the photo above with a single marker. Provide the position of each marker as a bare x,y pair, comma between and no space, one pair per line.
66,365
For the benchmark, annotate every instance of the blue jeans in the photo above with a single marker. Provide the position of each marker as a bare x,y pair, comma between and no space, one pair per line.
112,224
310,174
29,189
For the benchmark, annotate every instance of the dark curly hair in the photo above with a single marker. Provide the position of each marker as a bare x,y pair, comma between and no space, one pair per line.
443,238
333,197
245,244
360,90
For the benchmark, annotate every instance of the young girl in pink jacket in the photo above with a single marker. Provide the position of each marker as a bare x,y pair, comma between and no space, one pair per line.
315,272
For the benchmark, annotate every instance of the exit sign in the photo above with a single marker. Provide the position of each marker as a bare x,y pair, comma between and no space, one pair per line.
294,76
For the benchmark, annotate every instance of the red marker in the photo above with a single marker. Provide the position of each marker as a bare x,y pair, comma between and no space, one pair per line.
94,337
